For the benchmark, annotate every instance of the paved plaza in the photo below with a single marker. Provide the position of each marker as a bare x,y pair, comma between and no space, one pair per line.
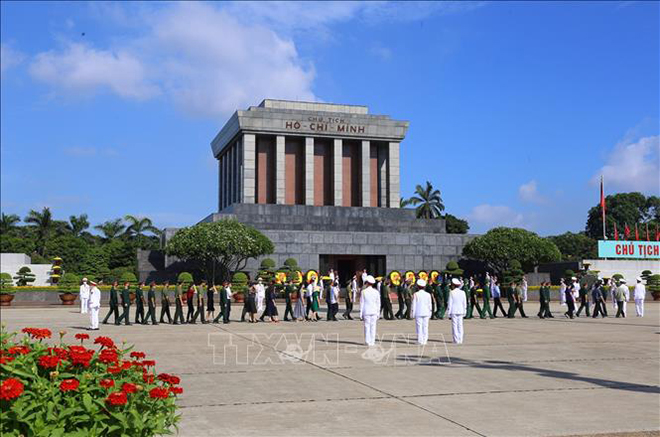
518,377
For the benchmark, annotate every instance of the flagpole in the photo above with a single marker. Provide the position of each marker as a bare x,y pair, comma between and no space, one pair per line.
602,204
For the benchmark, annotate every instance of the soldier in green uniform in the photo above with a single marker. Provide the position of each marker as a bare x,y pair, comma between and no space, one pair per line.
139,304
407,298
288,289
151,305
114,305
486,297
467,289
178,301
474,300
518,302
510,296
201,292
385,299
444,290
544,299
126,303
165,303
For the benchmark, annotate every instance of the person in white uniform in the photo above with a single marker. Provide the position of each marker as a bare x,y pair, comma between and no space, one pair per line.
524,289
84,296
562,292
261,295
639,294
94,306
369,310
422,307
456,308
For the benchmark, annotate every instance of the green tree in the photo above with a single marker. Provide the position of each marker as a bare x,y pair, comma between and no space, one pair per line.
24,276
77,224
44,226
5,281
219,248
454,225
72,250
16,244
499,245
622,209
69,283
575,247
428,202
95,263
138,226
8,222
111,229
120,253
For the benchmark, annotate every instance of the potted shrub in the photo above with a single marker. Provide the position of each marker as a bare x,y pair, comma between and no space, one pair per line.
653,285
239,285
6,290
68,288
129,277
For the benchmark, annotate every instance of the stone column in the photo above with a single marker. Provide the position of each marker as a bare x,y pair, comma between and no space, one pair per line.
393,173
309,171
249,167
366,176
382,176
230,175
220,187
337,184
279,170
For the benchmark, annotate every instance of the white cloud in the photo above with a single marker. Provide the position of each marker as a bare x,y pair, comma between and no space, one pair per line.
9,57
633,165
82,69
495,215
529,193
384,53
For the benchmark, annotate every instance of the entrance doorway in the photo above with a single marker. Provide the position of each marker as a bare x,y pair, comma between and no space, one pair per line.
347,265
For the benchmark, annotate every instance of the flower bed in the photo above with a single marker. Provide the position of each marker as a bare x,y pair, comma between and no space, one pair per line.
76,390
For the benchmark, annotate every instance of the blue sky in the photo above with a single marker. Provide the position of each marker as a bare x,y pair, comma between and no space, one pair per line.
515,109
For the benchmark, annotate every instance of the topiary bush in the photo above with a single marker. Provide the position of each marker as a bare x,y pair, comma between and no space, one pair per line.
239,282
24,276
617,277
6,283
653,285
185,278
291,263
128,277
69,283
267,263
453,270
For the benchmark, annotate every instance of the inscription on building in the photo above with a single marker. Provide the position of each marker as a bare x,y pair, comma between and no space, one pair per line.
324,124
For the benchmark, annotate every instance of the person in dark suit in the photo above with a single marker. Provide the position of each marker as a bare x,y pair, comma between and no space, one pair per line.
151,305
288,290
178,301
139,303
165,303
126,303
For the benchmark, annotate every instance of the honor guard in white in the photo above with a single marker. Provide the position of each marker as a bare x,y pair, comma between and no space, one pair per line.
84,296
421,311
456,308
369,310
639,294
94,306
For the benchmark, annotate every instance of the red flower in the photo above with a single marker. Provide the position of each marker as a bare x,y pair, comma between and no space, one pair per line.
61,353
107,383
138,355
37,333
126,365
81,356
170,379
148,378
148,363
81,337
127,387
105,342
114,369
159,393
117,398
19,350
10,388
5,359
49,361
108,356
176,390
69,385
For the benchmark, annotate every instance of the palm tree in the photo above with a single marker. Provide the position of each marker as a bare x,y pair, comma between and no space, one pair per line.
8,222
428,201
403,202
138,226
111,229
77,224
44,225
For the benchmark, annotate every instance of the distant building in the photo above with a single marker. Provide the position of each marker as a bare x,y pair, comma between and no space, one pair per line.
12,262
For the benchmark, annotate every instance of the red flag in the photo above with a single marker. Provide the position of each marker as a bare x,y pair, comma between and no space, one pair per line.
636,233
626,231
648,237
602,203
616,233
